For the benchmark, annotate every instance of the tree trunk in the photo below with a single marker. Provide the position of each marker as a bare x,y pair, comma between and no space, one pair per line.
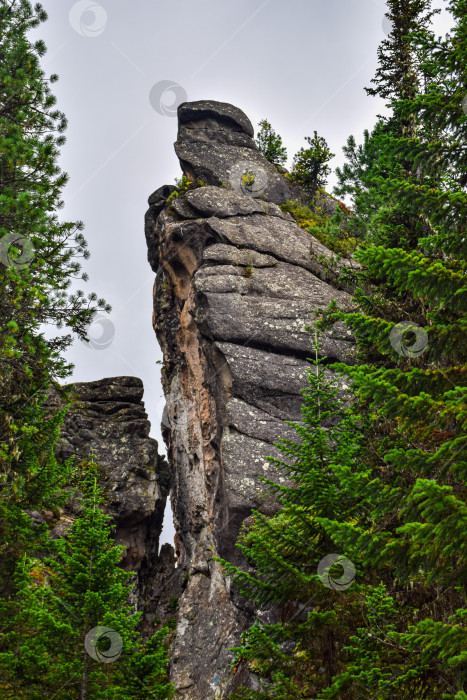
84,678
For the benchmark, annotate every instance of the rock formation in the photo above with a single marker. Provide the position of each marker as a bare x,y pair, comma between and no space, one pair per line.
236,283
107,419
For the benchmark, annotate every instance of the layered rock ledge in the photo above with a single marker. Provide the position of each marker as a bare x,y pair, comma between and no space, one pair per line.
107,421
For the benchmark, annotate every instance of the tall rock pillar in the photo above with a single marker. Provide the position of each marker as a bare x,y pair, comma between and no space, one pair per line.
236,283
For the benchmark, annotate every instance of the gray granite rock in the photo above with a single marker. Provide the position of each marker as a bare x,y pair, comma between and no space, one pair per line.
237,282
156,204
233,117
107,419
215,144
212,201
279,237
230,255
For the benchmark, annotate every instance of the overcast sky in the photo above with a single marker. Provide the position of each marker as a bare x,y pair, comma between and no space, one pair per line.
302,64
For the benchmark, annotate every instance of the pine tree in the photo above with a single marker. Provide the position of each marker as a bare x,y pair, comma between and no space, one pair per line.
270,144
39,258
76,633
39,255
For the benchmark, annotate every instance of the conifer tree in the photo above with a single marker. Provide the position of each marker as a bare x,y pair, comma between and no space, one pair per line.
400,76
410,324
270,144
36,482
48,604
39,258
309,167
39,254
76,632
406,524
287,551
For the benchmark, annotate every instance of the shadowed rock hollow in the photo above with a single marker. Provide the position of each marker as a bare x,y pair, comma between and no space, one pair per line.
236,282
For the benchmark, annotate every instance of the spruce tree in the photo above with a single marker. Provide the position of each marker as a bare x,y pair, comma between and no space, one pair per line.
287,552
270,144
400,76
410,325
76,632
405,527
309,167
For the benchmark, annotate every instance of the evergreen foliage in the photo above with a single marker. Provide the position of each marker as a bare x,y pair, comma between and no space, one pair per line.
406,521
39,255
80,587
415,380
37,262
270,144
309,167
399,74
298,655
50,592
381,481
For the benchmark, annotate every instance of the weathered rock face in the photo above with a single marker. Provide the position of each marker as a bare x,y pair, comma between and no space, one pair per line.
107,418
237,282
215,144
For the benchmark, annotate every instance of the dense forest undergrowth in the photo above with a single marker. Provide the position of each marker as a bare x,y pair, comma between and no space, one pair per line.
366,556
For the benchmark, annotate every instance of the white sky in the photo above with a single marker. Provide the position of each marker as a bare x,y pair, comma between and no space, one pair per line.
301,64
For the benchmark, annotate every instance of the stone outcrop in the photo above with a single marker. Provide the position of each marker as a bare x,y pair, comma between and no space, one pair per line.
215,145
107,420
236,283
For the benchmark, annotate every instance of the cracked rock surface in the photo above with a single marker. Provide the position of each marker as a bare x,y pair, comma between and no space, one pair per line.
107,419
236,283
